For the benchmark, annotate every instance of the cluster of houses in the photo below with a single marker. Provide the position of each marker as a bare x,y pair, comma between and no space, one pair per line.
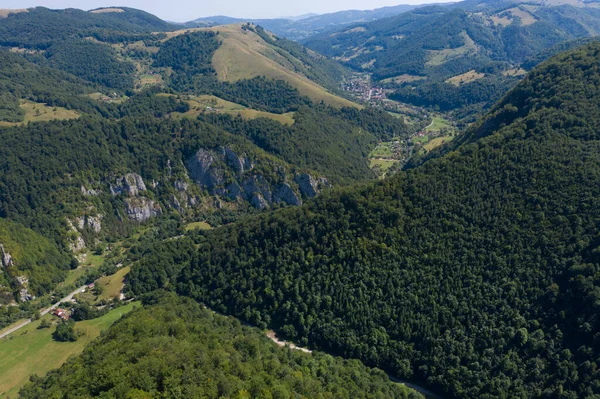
361,87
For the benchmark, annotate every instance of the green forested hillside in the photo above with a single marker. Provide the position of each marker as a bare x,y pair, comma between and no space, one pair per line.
475,273
331,141
39,28
26,253
182,350
20,79
434,44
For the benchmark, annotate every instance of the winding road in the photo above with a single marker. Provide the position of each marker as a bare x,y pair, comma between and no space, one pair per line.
68,298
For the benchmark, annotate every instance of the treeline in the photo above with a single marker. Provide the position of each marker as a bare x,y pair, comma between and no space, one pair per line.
476,273
183,350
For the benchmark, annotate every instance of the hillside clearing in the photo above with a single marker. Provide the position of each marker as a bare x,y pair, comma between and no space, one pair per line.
245,55
436,142
208,103
465,78
405,78
437,124
439,57
198,225
111,286
33,351
40,112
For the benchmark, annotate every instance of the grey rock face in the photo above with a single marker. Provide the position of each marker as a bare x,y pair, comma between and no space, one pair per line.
76,243
7,259
131,184
180,185
257,184
89,192
286,194
176,204
259,202
141,209
308,186
325,183
234,191
248,165
201,169
93,222
234,161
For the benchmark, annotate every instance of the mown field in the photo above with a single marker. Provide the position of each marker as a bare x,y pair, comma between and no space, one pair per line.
38,112
33,351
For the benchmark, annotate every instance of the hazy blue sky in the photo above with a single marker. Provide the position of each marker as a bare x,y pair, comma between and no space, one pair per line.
186,10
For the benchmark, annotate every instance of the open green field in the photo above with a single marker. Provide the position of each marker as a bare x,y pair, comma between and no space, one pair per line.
200,104
32,351
198,225
382,164
383,150
437,124
112,285
38,112
438,141
420,140
91,261
245,55
439,57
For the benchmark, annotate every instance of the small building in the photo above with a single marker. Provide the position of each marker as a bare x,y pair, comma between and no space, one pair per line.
90,286
61,314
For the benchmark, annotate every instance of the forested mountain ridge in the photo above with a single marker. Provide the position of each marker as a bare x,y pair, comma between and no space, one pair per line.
302,28
182,350
475,273
30,264
460,55
114,162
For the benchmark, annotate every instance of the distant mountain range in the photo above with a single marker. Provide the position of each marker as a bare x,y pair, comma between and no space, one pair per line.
302,27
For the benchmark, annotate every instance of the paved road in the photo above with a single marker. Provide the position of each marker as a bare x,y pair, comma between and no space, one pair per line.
43,312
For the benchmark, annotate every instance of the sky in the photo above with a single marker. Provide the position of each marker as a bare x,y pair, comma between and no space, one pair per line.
187,10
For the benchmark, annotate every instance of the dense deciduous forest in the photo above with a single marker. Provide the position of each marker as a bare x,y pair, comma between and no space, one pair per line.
332,141
40,27
475,273
183,350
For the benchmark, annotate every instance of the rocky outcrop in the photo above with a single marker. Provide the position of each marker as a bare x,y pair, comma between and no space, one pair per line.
224,173
308,186
76,243
131,184
234,191
286,194
234,161
92,222
180,186
201,169
141,209
257,184
89,192
7,259
259,202
24,294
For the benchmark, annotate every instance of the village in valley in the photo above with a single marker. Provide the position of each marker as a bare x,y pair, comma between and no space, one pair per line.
428,129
